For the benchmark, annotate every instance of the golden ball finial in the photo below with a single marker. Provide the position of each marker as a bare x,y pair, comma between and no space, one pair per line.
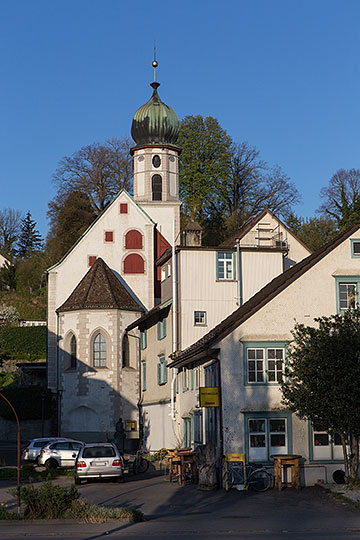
155,64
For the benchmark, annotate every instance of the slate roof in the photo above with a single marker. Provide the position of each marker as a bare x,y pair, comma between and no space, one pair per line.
100,289
257,301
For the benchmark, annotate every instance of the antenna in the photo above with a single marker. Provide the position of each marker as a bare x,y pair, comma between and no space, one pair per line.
155,64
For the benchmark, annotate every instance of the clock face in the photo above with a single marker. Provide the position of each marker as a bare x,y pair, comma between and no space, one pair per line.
156,161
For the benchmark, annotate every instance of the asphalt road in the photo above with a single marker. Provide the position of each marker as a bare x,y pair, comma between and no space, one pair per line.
175,512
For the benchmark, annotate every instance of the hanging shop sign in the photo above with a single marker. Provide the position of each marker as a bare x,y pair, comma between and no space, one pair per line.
209,396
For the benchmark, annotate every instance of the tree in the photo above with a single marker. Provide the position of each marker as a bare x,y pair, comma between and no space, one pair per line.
341,199
67,222
9,229
99,171
8,315
30,239
315,232
322,380
204,163
7,277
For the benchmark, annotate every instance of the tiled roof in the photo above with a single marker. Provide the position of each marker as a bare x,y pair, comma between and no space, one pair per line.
257,301
100,289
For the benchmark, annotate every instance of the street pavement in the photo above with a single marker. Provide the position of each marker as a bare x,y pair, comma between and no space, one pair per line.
174,512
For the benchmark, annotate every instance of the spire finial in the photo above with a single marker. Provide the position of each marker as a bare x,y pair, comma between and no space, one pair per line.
155,64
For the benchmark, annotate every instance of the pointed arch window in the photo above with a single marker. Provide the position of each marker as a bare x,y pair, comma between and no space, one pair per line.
99,350
156,186
125,351
72,364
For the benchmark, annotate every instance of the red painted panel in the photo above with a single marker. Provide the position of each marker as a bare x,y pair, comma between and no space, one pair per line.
133,240
109,236
134,264
123,208
161,244
91,260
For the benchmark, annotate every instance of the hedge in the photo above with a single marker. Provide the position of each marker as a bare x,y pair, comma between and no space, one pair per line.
27,340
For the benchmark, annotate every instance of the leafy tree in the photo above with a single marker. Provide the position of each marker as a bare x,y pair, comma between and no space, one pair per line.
9,229
322,380
341,199
30,272
7,277
30,239
68,221
99,171
8,315
315,232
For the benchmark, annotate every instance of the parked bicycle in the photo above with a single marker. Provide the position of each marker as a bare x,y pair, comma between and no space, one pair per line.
140,464
256,476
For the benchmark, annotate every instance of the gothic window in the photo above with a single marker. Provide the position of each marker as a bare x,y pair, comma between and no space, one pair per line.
72,363
156,182
133,240
125,351
134,264
99,351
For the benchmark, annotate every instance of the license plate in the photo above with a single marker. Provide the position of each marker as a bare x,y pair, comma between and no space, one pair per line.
98,463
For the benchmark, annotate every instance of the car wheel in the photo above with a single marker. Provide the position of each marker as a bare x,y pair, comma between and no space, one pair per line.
51,464
77,481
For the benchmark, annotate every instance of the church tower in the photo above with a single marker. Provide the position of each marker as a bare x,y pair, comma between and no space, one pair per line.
155,129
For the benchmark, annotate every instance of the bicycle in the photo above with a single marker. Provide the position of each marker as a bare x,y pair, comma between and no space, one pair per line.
140,464
256,476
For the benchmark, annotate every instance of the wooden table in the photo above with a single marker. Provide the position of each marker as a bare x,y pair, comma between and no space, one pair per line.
282,463
181,464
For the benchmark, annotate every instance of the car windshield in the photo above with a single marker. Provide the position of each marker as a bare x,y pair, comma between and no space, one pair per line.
99,451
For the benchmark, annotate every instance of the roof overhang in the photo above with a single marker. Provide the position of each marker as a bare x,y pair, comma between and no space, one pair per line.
197,359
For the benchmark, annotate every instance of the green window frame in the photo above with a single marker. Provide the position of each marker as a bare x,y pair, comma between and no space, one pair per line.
269,434
355,248
185,380
323,448
225,266
143,375
162,370
264,362
347,292
161,329
143,340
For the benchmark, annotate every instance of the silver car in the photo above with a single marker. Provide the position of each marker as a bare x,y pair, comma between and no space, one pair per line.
33,448
99,460
59,454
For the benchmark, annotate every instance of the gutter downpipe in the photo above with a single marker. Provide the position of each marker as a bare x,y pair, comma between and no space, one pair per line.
174,321
58,391
239,300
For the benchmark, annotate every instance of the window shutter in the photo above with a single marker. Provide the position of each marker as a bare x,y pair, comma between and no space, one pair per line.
159,373
217,265
164,371
134,264
234,265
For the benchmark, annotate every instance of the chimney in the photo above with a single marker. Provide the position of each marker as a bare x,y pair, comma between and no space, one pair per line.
192,234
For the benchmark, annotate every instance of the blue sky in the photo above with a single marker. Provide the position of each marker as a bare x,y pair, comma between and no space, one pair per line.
283,75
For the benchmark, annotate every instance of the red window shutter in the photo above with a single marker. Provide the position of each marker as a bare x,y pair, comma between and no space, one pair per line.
133,240
134,264
109,236
123,208
92,259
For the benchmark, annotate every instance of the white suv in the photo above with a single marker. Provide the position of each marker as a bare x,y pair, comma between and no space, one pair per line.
33,448
60,453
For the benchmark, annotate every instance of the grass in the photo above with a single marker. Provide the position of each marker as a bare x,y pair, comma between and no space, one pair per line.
29,306
29,472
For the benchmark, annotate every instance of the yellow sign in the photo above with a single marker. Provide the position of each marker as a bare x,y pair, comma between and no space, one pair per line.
209,396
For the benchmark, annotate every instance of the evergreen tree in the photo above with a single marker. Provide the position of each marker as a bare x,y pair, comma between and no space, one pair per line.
30,239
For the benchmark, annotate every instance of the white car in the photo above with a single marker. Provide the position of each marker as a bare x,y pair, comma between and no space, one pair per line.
99,460
33,448
60,454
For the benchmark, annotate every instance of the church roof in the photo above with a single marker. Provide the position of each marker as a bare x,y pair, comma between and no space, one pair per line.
100,289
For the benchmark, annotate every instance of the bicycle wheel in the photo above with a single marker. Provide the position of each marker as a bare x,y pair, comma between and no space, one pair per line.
143,465
260,480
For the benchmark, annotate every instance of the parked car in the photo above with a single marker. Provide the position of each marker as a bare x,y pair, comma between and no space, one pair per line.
99,460
59,453
32,450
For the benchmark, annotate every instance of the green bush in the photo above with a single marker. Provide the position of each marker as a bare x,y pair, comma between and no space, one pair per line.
25,342
49,501
5,514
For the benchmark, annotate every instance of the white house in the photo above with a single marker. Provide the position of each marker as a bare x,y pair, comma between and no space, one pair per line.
245,353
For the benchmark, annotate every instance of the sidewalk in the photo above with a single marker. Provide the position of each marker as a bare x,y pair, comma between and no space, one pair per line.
353,495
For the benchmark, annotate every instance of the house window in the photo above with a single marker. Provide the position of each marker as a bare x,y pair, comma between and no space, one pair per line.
91,259
72,364
143,375
267,435
163,273
187,432
199,318
185,380
162,370
225,265
198,428
123,208
109,236
134,264
156,183
143,340
325,447
347,292
355,248
99,351
133,240
161,329
265,365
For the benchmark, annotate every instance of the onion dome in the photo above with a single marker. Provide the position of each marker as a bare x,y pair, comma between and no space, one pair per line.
155,122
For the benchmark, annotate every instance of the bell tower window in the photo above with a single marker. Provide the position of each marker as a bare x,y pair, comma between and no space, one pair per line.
156,182
156,161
